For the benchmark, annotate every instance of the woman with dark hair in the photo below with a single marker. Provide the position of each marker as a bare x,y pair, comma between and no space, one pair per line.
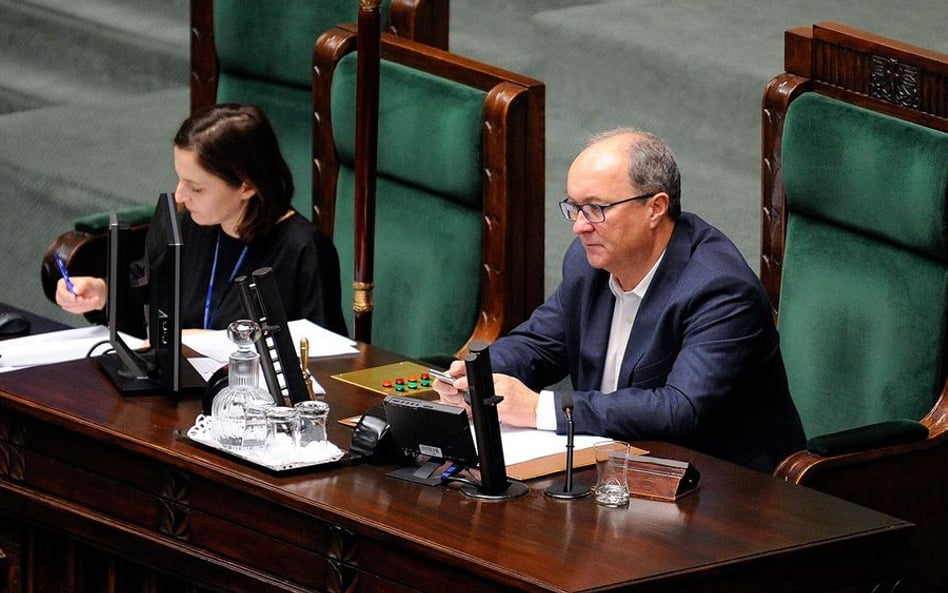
234,189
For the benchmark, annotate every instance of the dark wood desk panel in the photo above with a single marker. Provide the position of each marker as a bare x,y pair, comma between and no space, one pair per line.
111,473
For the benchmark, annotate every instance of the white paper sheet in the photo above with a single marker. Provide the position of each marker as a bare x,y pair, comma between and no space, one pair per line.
525,444
322,342
58,346
206,366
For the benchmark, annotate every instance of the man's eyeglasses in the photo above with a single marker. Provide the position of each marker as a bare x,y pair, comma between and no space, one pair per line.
594,213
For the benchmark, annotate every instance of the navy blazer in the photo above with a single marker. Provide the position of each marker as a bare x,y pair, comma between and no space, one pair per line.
702,367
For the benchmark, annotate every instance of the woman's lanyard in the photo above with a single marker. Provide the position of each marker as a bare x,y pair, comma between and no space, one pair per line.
208,313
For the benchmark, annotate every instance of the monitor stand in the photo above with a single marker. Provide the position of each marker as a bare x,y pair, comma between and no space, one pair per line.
128,382
513,490
428,473
139,381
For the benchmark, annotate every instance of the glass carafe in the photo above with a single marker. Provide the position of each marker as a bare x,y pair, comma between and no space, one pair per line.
243,385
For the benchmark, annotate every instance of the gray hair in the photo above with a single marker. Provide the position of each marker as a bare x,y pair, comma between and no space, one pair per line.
652,165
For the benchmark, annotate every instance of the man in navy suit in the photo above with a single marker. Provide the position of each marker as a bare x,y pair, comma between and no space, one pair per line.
664,330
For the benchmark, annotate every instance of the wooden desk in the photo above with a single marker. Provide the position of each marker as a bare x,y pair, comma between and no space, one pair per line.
98,490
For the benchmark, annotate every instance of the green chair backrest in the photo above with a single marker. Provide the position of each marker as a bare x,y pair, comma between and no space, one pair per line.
265,53
428,206
864,290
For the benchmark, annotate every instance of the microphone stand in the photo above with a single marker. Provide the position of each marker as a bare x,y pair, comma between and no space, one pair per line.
568,491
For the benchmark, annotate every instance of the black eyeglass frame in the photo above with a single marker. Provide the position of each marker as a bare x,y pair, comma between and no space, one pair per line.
571,210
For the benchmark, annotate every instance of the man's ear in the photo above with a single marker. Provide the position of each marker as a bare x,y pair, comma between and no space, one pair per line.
659,207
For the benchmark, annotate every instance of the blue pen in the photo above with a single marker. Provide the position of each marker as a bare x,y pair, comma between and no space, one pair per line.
65,273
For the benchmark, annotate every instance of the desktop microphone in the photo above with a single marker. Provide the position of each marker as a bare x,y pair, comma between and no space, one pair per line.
568,490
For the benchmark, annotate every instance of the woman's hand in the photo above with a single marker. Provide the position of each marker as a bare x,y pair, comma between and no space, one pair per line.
90,294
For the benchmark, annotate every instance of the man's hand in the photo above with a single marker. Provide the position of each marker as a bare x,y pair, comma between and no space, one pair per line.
454,394
517,409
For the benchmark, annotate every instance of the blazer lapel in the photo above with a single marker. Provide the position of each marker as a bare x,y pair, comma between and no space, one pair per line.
656,299
596,336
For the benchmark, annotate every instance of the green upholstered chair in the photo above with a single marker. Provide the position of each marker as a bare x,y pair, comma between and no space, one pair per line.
260,51
459,191
855,257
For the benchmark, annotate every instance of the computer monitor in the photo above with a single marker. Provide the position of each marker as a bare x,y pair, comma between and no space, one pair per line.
436,432
162,367
164,296
125,367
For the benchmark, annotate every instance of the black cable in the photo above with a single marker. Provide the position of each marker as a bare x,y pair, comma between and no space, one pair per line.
458,480
96,345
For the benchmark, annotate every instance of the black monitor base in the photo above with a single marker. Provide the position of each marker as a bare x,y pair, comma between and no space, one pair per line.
128,383
428,473
134,383
559,491
514,489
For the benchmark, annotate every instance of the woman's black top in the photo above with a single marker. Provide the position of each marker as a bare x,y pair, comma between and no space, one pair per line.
304,262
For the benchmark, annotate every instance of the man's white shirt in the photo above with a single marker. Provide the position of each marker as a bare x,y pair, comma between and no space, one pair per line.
623,317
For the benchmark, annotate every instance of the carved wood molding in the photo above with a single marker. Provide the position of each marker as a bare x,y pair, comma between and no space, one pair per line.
341,578
12,439
332,45
174,497
343,544
881,74
204,69
343,554
778,94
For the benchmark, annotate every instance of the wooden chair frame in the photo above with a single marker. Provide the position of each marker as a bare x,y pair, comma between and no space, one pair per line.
909,481
513,169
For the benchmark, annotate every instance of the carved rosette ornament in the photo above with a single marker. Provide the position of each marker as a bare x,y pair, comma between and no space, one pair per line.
894,81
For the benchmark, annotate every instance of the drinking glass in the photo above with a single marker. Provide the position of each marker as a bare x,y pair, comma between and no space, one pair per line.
313,415
255,426
612,487
283,432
